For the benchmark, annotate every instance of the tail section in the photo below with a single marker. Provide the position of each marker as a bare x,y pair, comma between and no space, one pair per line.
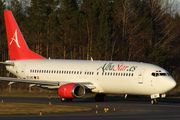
18,49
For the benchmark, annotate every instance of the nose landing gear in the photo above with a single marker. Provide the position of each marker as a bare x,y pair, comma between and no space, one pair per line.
154,101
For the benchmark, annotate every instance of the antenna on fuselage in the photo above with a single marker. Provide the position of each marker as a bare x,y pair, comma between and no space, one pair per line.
91,59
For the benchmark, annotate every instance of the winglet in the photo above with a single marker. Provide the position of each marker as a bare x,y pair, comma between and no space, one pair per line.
18,49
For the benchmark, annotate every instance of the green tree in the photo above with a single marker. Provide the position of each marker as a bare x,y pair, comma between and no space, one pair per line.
104,35
67,15
38,17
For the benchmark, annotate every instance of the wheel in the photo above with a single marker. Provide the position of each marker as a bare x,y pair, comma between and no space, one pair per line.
66,100
100,97
103,97
154,101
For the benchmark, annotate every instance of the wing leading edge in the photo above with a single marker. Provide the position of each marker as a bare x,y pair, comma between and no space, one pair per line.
43,82
87,85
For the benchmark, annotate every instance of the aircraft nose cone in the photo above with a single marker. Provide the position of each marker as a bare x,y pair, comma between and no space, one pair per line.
172,83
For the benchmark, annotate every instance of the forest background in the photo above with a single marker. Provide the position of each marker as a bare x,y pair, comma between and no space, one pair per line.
118,30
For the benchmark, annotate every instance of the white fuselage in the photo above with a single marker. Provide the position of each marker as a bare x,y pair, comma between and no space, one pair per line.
107,76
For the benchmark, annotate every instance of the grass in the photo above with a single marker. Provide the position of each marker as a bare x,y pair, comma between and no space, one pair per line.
28,108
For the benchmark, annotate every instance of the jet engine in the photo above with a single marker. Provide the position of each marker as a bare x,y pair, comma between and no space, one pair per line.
71,90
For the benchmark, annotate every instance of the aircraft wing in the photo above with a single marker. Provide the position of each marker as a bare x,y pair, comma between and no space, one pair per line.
87,85
43,82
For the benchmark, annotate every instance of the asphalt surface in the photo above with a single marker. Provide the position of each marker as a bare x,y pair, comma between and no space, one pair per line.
114,108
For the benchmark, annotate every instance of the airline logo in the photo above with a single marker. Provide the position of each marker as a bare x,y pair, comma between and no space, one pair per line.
15,39
119,67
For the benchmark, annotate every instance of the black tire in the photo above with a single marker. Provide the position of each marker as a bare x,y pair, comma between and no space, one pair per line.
100,97
154,101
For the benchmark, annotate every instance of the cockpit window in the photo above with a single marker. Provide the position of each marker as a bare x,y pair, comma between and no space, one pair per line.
168,74
163,74
160,74
153,74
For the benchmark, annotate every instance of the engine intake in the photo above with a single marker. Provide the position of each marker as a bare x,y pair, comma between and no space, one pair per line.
71,90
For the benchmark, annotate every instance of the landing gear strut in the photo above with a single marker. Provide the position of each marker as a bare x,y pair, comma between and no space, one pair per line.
100,97
154,101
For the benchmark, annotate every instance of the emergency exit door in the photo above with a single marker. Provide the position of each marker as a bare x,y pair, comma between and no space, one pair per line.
140,76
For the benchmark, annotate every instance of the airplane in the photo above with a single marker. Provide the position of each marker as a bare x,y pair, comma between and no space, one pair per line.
74,78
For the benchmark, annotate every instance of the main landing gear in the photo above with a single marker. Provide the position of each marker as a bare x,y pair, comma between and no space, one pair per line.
100,97
154,101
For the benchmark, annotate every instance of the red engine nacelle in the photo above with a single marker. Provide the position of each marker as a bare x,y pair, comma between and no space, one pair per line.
71,90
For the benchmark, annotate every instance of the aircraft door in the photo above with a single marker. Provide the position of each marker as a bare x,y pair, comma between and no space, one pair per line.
140,76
